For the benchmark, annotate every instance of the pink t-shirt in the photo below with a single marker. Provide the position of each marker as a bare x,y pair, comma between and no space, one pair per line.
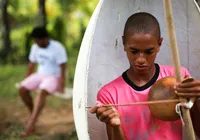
137,121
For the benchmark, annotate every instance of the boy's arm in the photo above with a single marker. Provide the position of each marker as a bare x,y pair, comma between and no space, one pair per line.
63,68
32,60
30,68
115,133
195,115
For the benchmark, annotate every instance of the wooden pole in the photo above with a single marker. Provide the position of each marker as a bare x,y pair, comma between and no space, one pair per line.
188,130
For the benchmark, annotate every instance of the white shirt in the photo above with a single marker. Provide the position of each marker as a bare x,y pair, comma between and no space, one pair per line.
49,58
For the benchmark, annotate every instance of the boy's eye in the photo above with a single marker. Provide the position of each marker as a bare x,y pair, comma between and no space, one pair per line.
149,51
134,51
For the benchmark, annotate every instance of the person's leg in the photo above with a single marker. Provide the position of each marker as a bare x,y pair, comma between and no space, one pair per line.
38,106
29,84
48,86
26,98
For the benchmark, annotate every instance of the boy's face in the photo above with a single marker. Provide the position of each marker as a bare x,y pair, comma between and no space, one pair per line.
141,50
41,42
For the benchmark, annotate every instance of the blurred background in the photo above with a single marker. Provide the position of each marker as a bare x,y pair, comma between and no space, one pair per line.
66,21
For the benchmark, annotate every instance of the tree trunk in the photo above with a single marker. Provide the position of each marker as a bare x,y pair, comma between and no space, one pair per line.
42,13
6,45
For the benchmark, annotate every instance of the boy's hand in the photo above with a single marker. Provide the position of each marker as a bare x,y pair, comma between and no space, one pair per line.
109,115
188,89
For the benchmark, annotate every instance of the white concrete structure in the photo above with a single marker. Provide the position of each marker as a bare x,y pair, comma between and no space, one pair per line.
101,57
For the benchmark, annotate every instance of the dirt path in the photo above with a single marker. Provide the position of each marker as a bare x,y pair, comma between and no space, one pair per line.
52,121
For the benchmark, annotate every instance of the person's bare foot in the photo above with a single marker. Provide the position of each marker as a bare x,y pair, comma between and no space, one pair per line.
28,132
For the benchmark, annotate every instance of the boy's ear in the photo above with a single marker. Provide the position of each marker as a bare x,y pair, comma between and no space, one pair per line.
160,41
123,40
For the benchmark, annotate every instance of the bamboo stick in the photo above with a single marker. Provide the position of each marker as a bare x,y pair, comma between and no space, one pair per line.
187,128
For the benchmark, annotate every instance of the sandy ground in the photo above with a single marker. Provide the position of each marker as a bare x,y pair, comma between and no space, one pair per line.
51,122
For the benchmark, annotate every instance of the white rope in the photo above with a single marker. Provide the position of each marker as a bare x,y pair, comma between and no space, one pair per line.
178,111
178,108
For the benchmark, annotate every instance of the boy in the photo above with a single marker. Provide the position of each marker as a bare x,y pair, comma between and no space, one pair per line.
142,41
51,58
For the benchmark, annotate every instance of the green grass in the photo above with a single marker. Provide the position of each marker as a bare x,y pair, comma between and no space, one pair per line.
13,132
8,77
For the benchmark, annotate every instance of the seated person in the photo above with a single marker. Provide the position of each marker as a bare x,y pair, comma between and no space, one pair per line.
51,57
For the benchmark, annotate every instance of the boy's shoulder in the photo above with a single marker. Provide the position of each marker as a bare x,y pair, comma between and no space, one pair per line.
56,43
168,69
34,47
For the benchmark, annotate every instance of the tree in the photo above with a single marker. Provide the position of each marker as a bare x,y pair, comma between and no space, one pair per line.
42,13
6,45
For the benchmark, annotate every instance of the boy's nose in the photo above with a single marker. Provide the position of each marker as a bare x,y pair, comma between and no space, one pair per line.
141,59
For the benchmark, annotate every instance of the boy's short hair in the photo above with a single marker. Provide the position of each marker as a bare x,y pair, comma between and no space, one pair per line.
142,22
39,32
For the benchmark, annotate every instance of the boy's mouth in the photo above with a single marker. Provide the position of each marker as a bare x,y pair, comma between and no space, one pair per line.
141,67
